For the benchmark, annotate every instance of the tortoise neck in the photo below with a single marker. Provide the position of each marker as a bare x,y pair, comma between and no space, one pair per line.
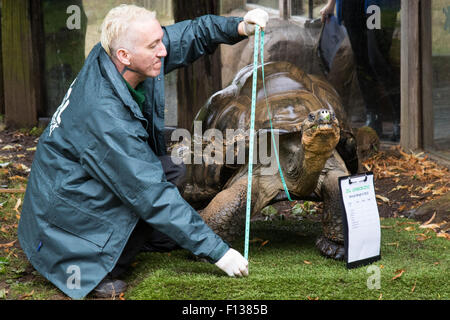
303,180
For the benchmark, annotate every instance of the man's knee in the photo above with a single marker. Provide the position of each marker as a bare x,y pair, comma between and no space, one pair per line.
175,173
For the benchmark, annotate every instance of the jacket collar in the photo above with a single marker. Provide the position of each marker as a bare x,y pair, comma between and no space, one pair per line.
116,80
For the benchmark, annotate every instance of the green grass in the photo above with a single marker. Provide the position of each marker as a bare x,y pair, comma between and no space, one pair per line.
278,270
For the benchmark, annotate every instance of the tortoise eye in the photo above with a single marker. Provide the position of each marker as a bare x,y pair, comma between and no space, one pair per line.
311,117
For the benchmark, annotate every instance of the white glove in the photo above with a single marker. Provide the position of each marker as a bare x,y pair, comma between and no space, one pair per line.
233,263
253,17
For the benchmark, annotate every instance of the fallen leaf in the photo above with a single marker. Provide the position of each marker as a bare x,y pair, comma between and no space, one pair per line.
256,240
12,190
26,295
440,191
429,226
399,274
422,237
18,203
386,227
393,244
414,287
3,293
121,296
307,262
309,298
8,147
18,178
443,235
398,188
384,199
409,229
20,166
31,149
380,297
429,221
4,165
7,245
264,243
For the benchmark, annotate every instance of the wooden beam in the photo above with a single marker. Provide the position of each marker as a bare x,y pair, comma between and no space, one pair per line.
198,81
20,64
427,74
2,96
285,8
411,82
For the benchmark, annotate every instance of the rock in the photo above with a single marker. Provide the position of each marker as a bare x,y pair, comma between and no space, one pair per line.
441,206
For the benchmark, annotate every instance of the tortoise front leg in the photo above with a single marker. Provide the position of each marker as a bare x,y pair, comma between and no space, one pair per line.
225,214
331,243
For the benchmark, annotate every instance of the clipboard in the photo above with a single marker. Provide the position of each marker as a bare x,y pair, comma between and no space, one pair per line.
361,220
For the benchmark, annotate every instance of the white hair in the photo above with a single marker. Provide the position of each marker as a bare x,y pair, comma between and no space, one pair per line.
115,26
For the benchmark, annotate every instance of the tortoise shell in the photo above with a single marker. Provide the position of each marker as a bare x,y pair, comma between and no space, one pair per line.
291,93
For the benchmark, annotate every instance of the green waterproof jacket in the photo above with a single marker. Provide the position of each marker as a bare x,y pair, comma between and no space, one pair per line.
96,170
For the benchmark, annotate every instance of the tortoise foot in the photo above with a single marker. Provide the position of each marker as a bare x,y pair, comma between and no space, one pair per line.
330,249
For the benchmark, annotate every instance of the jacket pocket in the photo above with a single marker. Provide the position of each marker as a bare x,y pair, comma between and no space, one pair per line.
79,223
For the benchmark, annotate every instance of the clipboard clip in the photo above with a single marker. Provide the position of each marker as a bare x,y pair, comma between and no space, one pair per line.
350,179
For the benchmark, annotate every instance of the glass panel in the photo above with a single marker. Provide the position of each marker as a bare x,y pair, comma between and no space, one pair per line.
372,95
66,49
441,74
307,8
265,3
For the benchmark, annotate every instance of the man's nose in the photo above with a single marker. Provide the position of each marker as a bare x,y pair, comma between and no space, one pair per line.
162,51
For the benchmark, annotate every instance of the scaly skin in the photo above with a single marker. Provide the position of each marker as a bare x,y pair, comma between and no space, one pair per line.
307,167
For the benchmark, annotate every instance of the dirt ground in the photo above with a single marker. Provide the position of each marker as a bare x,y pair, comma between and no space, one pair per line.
403,182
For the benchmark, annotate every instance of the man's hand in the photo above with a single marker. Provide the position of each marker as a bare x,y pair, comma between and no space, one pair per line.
233,263
327,10
254,17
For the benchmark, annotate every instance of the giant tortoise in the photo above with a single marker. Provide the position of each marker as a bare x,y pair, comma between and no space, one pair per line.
315,148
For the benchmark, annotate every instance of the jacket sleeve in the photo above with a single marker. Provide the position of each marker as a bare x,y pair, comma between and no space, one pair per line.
188,40
119,157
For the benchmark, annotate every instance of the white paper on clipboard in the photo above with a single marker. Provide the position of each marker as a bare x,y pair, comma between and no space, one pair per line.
362,220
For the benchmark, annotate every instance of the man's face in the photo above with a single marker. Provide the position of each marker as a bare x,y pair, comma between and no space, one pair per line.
148,48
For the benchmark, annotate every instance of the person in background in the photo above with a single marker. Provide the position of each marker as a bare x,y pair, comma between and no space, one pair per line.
371,48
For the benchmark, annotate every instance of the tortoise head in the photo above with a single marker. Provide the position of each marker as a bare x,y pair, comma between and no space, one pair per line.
320,131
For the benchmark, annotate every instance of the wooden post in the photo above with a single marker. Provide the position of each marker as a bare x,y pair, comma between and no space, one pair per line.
197,82
427,74
64,50
285,8
411,81
20,64
2,96
311,9
297,7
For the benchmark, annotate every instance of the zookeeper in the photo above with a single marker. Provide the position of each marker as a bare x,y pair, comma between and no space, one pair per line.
101,185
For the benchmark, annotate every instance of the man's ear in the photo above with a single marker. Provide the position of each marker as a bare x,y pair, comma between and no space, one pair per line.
123,55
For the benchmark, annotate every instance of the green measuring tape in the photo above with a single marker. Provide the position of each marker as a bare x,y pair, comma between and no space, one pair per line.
259,42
